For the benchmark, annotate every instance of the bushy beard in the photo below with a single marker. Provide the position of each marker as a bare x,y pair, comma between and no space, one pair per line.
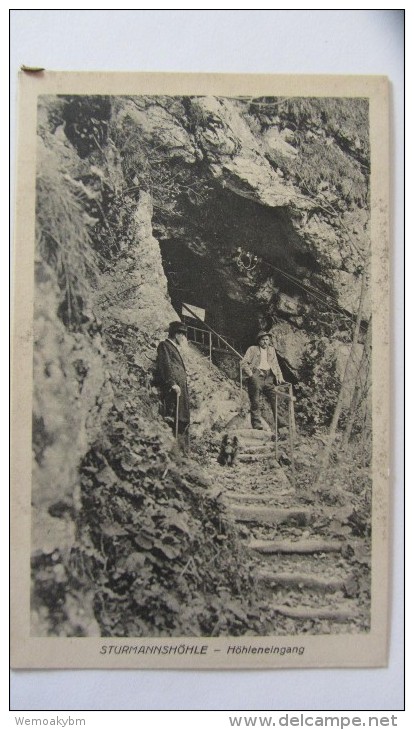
183,345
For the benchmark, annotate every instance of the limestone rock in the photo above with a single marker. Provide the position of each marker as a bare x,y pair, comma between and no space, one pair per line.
135,292
156,124
236,156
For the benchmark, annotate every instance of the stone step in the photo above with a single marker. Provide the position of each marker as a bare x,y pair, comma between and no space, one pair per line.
302,580
244,439
251,433
270,515
256,448
250,458
259,499
257,457
304,547
341,613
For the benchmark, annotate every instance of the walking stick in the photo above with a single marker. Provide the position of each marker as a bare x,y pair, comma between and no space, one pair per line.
292,409
176,415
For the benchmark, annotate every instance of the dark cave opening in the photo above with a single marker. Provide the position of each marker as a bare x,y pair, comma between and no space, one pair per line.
195,280
230,221
200,261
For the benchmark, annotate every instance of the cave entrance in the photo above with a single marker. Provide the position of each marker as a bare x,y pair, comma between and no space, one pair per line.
200,261
196,280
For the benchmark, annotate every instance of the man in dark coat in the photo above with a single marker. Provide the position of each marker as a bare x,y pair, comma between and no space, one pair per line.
172,378
261,365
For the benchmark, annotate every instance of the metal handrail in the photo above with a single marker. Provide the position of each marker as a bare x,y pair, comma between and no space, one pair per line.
211,331
220,338
215,340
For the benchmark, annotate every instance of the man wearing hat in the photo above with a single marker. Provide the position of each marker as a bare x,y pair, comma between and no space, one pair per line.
261,365
172,378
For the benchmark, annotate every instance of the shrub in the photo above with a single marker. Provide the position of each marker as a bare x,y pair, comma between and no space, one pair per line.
318,387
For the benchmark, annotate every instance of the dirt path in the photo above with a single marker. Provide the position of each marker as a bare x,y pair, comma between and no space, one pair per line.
312,571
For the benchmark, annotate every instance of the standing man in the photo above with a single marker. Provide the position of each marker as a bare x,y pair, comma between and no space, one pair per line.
261,365
172,377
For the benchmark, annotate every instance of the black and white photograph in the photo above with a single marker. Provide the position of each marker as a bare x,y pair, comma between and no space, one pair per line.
203,355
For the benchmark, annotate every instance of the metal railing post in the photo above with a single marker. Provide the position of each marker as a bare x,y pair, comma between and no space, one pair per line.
292,409
291,429
241,380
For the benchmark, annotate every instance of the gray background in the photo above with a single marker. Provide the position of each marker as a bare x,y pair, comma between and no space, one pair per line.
250,41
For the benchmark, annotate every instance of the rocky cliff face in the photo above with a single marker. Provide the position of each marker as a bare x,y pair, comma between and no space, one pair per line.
255,210
71,398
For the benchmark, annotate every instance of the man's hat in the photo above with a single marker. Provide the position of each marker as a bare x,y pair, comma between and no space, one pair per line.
175,327
261,334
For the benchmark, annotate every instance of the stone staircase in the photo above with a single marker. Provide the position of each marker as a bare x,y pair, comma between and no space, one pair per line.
303,572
